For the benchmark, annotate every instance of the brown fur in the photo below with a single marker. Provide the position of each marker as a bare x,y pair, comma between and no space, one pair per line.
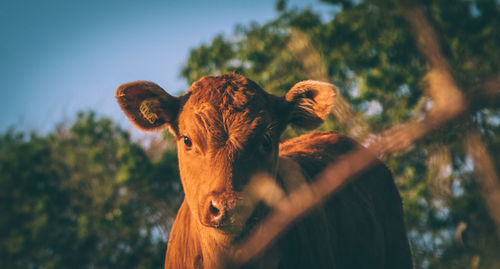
227,131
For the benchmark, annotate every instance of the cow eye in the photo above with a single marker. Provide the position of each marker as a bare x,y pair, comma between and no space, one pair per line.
187,141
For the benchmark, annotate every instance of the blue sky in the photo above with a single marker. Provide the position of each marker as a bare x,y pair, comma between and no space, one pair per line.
59,57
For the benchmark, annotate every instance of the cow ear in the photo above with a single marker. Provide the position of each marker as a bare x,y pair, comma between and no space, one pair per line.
148,106
310,101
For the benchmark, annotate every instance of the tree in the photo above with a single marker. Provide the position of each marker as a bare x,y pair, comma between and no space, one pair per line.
371,51
84,197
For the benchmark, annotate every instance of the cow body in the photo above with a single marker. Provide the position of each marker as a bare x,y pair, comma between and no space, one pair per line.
228,131
359,227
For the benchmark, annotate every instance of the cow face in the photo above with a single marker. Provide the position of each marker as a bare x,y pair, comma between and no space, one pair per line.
227,130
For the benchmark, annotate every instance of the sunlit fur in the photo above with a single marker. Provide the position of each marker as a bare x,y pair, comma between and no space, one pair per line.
234,128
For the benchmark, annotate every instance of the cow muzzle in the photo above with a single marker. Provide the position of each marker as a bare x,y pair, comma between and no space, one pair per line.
217,209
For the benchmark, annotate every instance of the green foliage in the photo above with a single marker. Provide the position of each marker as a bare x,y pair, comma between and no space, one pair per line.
84,197
368,51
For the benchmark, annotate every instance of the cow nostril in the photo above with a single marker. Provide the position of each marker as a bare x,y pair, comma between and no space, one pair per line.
214,210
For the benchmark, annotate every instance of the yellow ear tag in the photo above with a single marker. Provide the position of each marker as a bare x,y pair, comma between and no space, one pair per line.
148,113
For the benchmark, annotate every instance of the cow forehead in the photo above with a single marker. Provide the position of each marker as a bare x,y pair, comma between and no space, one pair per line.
226,110
228,101
229,92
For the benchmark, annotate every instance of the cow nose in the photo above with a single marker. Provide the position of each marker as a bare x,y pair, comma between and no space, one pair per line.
215,211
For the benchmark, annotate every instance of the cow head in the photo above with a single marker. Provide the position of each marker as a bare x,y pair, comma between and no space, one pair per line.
227,130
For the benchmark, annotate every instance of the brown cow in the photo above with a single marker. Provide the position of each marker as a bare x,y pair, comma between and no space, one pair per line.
228,130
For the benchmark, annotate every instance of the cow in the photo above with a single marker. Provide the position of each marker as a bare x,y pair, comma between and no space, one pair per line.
227,130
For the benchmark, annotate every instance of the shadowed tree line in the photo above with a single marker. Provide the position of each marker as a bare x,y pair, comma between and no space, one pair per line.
84,196
87,196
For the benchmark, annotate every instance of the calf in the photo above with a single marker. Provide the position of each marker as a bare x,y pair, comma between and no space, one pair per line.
228,130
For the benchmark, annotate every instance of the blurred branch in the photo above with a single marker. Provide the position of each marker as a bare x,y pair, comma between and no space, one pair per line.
442,88
450,103
458,236
308,56
447,98
314,67
439,171
487,94
485,174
